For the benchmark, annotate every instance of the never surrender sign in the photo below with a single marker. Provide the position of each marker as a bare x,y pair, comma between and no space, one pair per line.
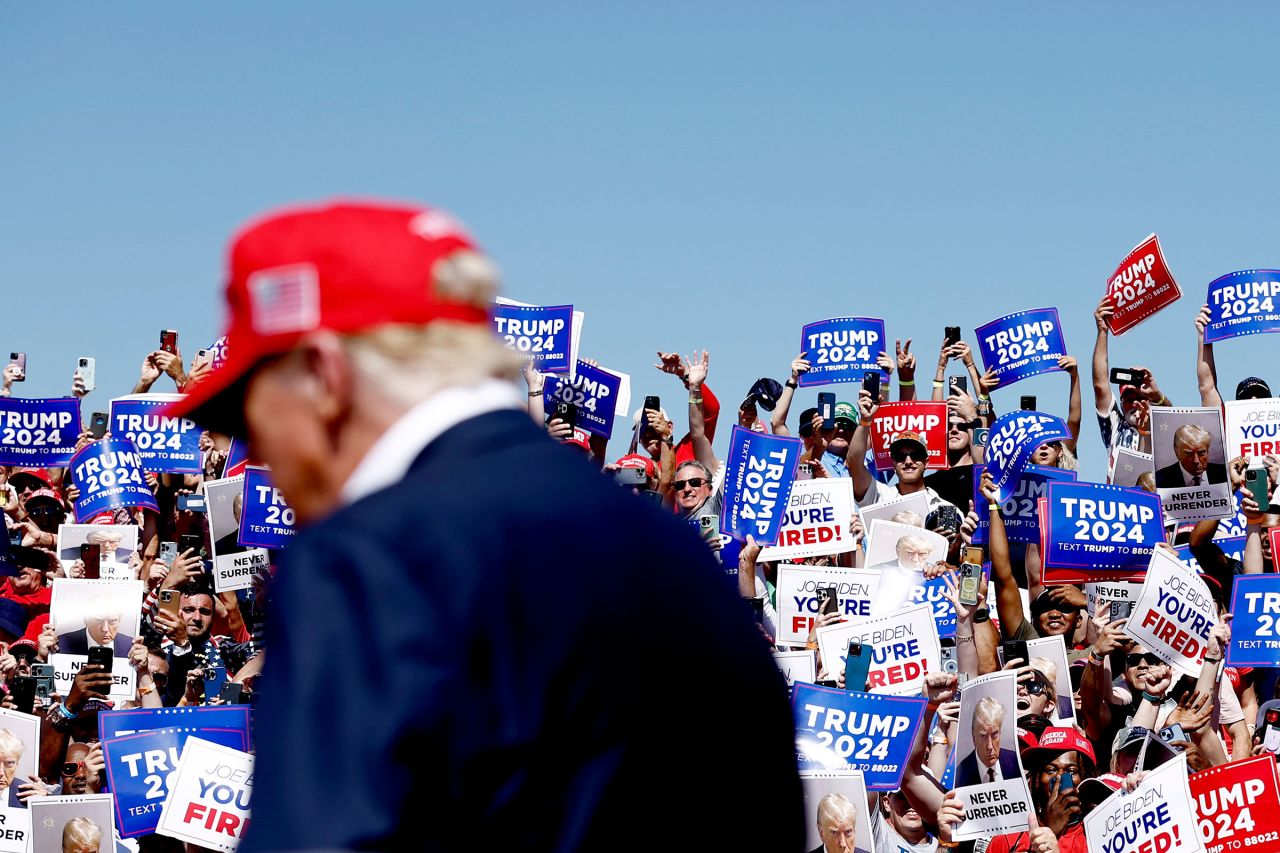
165,444
757,484
1174,614
841,349
1013,438
847,730
817,520
267,521
1140,286
1255,628
1093,526
38,433
1243,303
108,474
543,333
1018,511
1023,344
893,419
593,390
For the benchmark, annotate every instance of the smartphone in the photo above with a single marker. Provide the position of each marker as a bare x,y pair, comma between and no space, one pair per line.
945,520
1121,609
101,656
827,408
98,424
652,404
709,527
191,503
1028,403
169,341
1124,376
757,609
951,336
871,384
1172,733
91,556
170,601
214,678
232,693
804,471
15,535
1256,481
19,359
566,412
980,436
23,691
635,477
168,553
857,664
970,583
1270,731
88,370
1015,649
950,661
828,600
959,384
191,542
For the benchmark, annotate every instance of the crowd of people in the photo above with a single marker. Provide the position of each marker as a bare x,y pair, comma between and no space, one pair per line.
1120,690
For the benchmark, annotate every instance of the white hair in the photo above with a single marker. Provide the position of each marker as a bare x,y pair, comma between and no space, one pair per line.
408,363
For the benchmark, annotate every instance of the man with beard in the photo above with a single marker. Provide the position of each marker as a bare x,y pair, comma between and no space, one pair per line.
1050,617
1060,753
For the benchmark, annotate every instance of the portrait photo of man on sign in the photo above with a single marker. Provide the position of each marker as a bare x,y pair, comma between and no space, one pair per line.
1190,463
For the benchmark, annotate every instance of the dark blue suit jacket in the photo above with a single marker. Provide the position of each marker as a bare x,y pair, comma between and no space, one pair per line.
478,655
967,771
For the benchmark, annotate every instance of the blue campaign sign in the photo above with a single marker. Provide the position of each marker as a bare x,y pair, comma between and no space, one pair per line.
38,433
1022,344
846,730
1012,440
1243,303
1255,623
1021,519
237,458
1096,526
757,484
165,444
541,332
266,521
108,474
593,390
113,724
139,765
1232,547
841,350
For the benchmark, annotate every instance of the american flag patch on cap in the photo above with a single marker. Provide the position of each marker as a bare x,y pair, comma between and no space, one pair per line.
284,299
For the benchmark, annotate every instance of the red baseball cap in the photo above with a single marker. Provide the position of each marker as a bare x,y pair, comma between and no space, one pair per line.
343,266
635,460
1055,741
580,438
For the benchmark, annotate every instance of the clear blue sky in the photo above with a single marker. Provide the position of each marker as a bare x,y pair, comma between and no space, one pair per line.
690,175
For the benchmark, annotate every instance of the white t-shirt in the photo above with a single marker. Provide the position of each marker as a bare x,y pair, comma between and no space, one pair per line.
887,839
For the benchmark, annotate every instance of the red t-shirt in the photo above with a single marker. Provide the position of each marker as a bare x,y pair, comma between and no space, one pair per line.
35,602
710,414
1071,841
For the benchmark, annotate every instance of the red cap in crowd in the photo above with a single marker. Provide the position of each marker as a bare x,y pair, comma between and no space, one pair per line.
346,267
635,460
1055,741
580,438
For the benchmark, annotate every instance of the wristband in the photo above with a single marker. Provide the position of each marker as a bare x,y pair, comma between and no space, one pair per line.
906,383
981,615
1213,660
984,398
1154,700
965,639
537,393
866,422
696,400
791,383
940,741
993,507
937,383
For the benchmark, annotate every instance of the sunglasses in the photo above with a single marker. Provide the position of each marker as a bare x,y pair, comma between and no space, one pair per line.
904,455
44,510
1036,687
692,482
71,768
1135,659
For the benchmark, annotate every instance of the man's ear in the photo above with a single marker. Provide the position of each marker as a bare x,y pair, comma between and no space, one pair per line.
327,368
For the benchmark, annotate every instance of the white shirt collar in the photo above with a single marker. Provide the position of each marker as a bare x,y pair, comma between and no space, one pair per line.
388,460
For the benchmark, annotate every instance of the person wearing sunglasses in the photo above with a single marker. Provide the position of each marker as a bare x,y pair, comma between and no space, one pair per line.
1038,696
693,492
909,453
